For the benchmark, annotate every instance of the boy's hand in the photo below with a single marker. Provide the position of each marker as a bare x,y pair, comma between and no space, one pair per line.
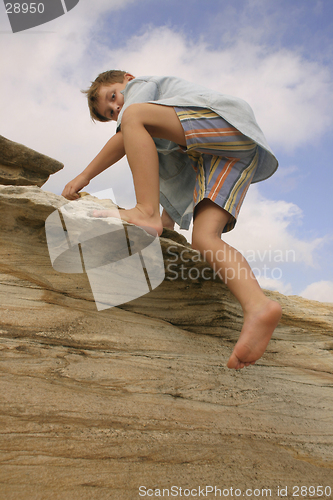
73,187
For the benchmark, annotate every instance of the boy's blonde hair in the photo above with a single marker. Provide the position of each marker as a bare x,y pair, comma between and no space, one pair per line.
106,78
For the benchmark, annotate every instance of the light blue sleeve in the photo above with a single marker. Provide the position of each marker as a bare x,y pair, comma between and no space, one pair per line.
138,91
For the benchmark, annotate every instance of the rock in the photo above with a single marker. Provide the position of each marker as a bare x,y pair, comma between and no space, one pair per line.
97,404
22,166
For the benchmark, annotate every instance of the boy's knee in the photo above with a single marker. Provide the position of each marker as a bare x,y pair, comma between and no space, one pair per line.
203,242
131,114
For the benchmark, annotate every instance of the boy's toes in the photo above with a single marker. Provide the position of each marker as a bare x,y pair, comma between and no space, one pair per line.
99,213
235,363
105,213
250,364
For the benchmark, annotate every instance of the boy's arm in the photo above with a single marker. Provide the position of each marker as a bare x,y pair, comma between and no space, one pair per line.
112,152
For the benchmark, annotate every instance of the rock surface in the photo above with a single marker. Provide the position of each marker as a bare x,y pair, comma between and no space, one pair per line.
22,166
96,404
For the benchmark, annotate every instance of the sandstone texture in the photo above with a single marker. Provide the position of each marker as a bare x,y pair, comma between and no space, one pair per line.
22,166
95,404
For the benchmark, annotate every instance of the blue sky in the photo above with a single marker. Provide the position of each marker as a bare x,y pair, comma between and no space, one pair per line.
275,55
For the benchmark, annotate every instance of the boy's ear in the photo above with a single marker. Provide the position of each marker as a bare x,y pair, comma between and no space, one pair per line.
128,77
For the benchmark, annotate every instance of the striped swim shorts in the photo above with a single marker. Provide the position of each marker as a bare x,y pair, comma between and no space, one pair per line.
223,158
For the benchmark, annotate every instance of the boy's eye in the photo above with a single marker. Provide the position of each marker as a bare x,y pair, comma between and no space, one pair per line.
113,95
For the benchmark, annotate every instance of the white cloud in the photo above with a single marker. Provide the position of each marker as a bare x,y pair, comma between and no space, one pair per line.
265,232
320,290
275,285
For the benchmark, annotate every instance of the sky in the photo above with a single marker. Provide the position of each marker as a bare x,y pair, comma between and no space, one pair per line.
275,55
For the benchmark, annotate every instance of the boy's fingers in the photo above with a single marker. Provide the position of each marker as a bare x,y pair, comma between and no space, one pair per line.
71,190
73,196
70,195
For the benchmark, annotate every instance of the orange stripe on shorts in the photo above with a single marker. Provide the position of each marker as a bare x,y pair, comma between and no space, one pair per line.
221,179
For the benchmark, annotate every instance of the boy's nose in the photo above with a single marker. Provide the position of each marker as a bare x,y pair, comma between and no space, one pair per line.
115,110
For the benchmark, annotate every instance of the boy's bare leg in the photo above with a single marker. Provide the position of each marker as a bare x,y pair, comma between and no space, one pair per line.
167,221
261,315
140,123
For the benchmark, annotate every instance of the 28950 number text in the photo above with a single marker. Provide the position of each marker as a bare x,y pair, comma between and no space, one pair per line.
25,8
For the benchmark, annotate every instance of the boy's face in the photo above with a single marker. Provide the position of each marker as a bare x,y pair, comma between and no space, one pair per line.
110,100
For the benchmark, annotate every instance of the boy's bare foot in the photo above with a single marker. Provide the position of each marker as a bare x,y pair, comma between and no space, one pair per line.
259,325
150,223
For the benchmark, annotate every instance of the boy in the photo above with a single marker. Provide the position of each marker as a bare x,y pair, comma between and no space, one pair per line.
187,145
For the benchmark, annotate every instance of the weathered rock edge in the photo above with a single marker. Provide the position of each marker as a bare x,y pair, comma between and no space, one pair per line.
22,166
